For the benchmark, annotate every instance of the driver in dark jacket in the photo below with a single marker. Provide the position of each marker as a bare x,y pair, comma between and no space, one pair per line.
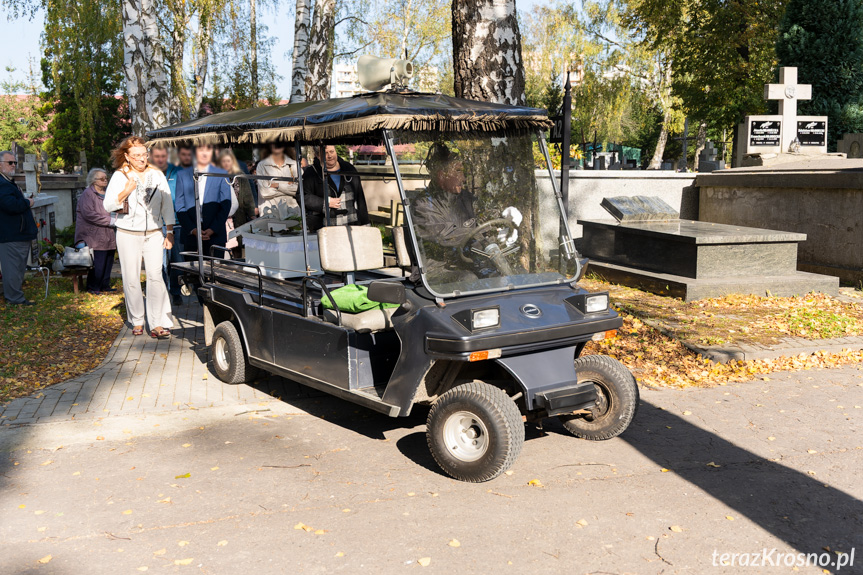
444,216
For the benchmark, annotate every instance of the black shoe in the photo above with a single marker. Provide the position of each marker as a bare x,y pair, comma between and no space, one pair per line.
177,300
25,302
109,290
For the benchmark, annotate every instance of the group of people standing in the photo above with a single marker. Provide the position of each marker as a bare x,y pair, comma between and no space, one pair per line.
146,212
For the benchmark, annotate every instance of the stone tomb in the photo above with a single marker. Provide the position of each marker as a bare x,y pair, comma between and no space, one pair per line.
690,259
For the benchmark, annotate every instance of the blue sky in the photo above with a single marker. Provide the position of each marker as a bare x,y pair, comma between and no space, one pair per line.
19,41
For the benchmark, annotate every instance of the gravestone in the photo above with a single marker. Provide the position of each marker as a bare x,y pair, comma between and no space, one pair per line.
639,209
851,145
647,247
708,159
769,136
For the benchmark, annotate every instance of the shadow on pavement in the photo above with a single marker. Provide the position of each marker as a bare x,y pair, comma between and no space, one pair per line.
793,506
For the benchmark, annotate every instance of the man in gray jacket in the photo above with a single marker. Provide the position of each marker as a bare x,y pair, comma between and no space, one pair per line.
17,231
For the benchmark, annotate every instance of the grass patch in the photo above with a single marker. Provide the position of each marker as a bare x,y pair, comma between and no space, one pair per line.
57,339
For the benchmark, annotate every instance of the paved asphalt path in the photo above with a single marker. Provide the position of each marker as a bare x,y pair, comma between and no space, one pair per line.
318,485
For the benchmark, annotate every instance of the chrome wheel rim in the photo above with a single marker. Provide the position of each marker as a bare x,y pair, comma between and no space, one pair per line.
465,436
221,355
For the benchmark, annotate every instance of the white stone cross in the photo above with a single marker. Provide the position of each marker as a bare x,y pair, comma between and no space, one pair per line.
788,91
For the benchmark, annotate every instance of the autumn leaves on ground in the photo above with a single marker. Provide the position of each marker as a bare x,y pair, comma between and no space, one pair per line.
57,339
67,335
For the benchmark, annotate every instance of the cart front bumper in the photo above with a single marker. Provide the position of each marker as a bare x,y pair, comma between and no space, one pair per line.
567,399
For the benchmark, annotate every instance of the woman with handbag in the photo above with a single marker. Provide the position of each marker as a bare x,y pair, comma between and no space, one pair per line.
138,192
95,227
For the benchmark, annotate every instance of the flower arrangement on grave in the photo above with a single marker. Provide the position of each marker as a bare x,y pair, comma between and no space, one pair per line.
51,254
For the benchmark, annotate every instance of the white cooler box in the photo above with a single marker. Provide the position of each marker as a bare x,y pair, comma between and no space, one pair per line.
282,256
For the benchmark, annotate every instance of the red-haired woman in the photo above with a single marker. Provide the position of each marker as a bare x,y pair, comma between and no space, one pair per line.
139,233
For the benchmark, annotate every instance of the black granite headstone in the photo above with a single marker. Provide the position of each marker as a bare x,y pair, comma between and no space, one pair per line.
639,209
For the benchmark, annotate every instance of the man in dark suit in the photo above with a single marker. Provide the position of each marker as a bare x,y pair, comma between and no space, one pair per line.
17,231
215,201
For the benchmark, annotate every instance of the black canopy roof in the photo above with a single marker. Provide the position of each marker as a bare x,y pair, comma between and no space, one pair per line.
354,117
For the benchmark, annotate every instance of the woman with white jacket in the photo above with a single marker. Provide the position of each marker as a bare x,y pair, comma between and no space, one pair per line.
141,190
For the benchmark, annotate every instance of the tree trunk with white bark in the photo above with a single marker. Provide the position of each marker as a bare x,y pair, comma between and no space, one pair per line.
659,152
321,45
487,60
203,41
147,83
300,57
253,37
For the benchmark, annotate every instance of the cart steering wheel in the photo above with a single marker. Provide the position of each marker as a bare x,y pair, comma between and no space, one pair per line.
481,229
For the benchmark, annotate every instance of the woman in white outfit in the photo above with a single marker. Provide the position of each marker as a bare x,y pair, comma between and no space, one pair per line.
273,194
139,233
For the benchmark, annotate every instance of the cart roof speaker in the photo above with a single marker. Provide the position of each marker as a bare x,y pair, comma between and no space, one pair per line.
375,73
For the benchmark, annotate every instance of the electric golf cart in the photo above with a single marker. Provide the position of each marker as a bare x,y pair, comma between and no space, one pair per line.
478,314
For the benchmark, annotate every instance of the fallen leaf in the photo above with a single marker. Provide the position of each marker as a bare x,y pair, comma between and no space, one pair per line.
303,526
676,528
100,438
183,561
127,512
222,543
187,445
214,468
535,483
165,500
729,517
41,529
183,476
346,510
664,470
182,543
44,559
810,472
687,413
811,451
160,552
77,473
424,561
143,568
320,532
411,494
508,472
771,438
340,554
454,543
49,462
712,464
39,512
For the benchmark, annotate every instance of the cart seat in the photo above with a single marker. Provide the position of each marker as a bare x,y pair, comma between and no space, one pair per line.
349,249
364,321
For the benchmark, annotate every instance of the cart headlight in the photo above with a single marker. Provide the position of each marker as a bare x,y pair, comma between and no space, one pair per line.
589,303
596,303
485,318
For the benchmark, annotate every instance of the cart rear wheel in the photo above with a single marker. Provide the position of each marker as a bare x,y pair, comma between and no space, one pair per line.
475,432
229,360
616,399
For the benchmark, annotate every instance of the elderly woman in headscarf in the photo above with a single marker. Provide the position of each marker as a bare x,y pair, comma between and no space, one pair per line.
95,227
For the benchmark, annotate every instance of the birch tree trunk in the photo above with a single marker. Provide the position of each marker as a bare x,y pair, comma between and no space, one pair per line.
487,61
144,64
300,58
253,37
179,96
656,161
700,143
203,41
321,44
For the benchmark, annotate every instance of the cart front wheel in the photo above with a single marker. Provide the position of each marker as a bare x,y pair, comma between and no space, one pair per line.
616,399
229,359
475,432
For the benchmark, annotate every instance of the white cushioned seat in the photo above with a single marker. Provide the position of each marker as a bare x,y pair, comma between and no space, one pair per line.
371,320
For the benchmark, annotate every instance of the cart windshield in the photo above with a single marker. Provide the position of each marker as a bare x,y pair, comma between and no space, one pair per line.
483,211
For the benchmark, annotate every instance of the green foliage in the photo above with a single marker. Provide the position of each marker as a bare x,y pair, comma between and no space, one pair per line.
824,40
82,73
22,115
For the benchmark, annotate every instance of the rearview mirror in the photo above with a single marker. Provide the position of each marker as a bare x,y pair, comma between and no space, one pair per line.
387,292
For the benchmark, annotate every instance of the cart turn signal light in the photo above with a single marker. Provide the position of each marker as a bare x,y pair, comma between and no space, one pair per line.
612,333
483,355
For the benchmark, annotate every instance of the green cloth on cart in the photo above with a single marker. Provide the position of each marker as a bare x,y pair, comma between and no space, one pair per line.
354,299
